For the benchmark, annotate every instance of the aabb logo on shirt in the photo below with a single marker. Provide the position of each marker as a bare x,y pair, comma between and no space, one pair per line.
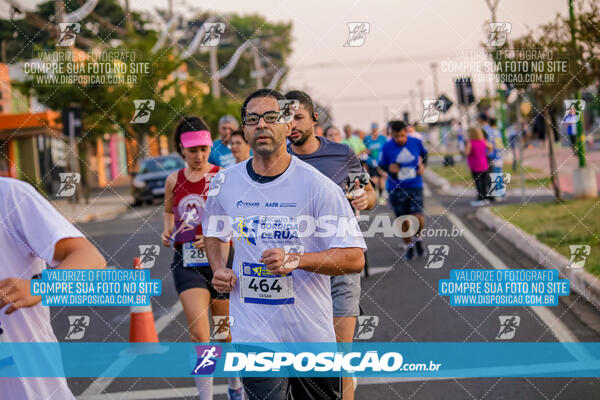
278,204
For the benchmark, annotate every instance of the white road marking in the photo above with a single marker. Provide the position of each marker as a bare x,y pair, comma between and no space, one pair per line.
376,271
99,385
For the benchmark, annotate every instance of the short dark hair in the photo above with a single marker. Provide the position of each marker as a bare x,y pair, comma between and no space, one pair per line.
327,129
303,98
397,126
239,132
492,121
260,93
483,117
188,124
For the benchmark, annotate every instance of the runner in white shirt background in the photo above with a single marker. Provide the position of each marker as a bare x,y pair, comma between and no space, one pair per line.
262,200
32,234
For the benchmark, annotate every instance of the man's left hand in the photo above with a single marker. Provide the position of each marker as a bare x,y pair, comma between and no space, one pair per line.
17,291
274,261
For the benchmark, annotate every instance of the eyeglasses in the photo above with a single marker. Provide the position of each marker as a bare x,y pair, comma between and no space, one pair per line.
270,117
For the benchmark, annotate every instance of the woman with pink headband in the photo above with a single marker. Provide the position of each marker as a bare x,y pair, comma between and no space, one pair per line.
185,195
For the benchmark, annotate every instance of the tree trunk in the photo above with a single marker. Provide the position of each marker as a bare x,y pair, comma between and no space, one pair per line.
549,133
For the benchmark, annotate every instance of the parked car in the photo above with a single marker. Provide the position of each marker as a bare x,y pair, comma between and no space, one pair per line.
149,182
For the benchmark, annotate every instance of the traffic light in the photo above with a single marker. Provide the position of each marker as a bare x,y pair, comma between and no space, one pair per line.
464,91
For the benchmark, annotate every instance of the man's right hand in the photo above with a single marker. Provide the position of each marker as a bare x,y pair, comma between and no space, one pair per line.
394,168
224,280
166,237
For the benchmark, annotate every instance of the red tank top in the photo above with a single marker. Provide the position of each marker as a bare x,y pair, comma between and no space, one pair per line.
190,196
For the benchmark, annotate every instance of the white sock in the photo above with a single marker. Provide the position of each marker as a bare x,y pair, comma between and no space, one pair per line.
205,387
234,383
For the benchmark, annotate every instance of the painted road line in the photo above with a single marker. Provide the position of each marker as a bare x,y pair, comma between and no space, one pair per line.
99,385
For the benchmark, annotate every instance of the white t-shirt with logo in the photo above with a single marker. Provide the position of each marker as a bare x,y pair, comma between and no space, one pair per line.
30,227
297,307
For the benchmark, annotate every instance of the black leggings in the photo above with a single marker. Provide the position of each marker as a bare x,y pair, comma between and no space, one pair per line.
482,184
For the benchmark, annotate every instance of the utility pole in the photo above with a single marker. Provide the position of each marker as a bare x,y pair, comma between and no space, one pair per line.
129,20
59,11
580,143
214,80
413,110
436,92
421,93
493,5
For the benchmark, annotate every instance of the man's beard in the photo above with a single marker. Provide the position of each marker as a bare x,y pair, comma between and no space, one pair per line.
304,136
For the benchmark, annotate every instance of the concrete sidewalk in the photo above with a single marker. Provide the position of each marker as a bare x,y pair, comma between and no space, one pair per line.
536,156
103,203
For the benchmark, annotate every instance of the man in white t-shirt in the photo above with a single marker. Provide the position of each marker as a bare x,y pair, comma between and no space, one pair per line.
32,234
264,204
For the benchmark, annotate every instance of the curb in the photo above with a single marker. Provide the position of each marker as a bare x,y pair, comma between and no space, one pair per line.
102,215
93,216
436,180
581,281
458,190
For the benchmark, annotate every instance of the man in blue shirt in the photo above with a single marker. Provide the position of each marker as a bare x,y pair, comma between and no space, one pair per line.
404,159
220,154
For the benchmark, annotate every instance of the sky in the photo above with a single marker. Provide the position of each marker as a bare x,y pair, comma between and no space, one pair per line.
364,84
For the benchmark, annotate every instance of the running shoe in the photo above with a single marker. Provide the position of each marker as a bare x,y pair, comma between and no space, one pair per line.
479,203
237,394
410,253
419,247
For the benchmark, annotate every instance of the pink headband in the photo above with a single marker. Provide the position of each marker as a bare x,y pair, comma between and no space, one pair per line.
196,138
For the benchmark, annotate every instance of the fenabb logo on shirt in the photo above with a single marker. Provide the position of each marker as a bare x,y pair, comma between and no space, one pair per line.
242,203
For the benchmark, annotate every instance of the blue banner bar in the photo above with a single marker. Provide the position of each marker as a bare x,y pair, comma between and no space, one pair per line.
300,359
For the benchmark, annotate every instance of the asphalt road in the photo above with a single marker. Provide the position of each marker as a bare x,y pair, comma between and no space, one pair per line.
403,295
